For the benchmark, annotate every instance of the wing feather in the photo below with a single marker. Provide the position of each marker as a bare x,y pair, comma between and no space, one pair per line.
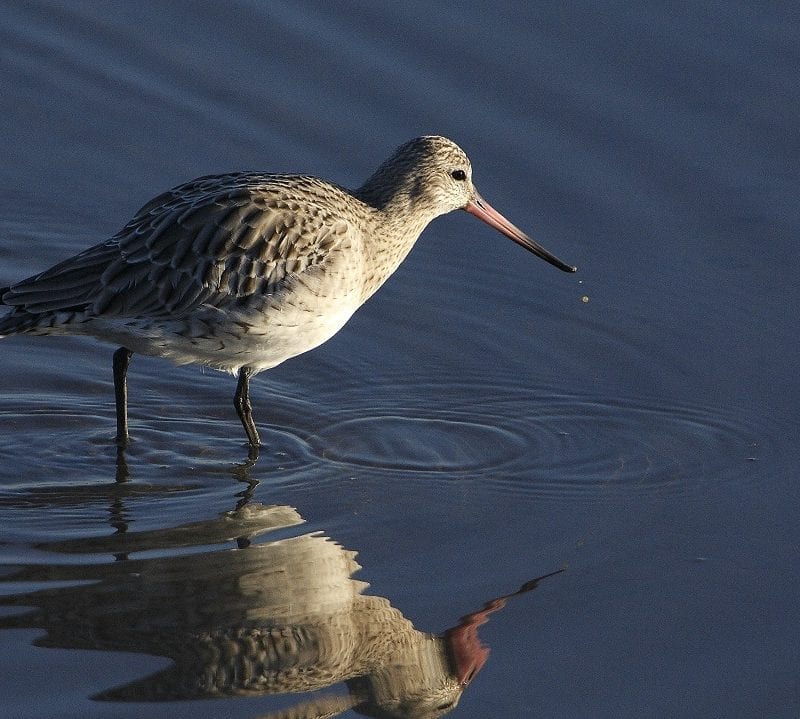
210,242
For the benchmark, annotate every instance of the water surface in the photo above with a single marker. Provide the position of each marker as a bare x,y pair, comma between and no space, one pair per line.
482,422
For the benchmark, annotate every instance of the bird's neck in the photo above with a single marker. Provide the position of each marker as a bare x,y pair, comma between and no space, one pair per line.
400,211
401,208
399,192
394,231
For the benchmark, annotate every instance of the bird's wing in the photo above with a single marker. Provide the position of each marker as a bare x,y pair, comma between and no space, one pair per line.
211,242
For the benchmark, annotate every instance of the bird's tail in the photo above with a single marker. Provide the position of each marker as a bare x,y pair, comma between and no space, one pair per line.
20,322
15,320
3,290
55,297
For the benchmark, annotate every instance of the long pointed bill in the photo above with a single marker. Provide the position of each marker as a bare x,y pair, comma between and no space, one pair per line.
484,211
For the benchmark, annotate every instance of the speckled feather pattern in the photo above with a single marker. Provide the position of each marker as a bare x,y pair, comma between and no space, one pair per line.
243,269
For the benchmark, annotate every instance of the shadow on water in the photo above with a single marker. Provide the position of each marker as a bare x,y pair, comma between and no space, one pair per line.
270,618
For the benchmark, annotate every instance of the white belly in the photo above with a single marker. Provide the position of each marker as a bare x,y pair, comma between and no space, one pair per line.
260,334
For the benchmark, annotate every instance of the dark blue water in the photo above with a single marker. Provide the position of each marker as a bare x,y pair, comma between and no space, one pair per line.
483,421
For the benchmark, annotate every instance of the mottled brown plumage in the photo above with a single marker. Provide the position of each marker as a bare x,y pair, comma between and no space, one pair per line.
242,271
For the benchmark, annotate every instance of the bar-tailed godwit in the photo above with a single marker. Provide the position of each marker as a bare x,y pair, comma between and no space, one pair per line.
242,271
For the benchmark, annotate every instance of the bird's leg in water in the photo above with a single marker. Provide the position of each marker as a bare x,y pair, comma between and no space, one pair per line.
122,358
241,400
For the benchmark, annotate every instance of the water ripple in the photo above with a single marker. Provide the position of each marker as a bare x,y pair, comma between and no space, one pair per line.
422,444
540,441
537,441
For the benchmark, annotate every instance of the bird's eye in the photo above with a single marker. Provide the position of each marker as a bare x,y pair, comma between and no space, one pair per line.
459,175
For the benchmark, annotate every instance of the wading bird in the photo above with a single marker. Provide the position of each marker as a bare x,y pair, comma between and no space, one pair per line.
242,271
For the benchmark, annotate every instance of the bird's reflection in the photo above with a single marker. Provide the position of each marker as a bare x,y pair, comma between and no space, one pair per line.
264,618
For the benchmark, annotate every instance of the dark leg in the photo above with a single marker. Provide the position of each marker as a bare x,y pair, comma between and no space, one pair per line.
241,400
122,358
